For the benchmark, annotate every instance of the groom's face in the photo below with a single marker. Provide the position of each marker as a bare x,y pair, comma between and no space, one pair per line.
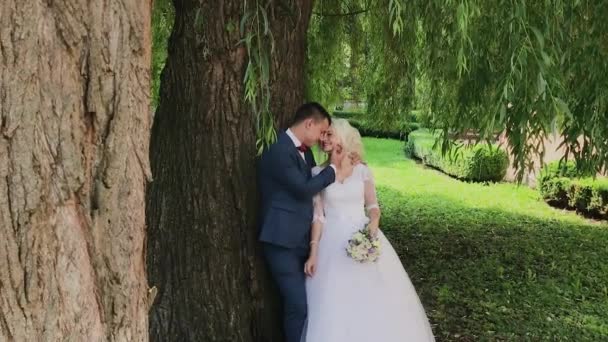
316,131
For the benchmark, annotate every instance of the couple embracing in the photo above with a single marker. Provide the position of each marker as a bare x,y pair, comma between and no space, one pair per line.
309,213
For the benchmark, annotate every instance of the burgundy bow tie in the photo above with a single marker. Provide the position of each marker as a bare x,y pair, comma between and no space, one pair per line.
302,148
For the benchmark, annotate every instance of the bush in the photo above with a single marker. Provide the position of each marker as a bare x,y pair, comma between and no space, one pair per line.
599,198
480,163
412,117
400,132
564,186
420,145
413,126
560,169
554,190
579,194
367,129
589,196
347,115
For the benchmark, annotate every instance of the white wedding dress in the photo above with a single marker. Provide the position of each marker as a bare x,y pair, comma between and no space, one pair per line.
353,302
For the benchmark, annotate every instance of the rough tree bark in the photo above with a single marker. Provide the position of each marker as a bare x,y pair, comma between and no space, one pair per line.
289,22
201,208
74,133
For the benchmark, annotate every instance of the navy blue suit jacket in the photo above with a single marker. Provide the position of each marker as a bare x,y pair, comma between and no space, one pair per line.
286,191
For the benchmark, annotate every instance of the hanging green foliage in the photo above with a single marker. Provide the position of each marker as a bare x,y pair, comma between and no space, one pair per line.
527,68
257,37
163,15
329,53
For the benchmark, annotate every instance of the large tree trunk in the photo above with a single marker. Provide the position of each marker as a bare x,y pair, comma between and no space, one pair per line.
287,85
203,253
74,132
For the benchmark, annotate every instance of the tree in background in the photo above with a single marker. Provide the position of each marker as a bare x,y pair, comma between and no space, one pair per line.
225,87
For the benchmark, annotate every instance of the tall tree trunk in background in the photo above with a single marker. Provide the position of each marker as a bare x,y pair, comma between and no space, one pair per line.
74,132
203,253
287,65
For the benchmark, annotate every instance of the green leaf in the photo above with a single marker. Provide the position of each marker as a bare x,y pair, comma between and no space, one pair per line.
244,20
562,107
539,37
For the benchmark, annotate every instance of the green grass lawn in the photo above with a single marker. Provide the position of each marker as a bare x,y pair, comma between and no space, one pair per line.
492,262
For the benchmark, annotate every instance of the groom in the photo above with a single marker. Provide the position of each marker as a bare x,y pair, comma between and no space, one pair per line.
287,188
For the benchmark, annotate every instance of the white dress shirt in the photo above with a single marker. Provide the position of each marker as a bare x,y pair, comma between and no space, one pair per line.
296,142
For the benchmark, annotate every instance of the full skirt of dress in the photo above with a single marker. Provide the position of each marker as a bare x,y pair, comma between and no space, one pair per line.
361,302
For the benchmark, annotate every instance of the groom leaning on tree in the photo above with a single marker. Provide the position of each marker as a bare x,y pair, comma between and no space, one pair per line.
287,188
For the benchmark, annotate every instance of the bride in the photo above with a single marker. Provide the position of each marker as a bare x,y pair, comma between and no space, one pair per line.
350,301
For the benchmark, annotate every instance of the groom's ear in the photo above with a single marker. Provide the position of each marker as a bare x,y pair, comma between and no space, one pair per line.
308,122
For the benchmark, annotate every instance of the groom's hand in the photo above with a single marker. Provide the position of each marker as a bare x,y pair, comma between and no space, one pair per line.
355,158
346,169
343,164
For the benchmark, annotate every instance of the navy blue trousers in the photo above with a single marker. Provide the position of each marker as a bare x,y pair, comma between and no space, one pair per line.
287,268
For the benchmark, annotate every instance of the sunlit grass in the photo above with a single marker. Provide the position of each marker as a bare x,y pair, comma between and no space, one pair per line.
492,262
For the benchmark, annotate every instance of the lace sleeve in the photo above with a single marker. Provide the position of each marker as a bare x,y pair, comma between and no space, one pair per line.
317,200
371,200
319,213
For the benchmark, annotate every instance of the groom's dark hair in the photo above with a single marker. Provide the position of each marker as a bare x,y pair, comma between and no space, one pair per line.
311,110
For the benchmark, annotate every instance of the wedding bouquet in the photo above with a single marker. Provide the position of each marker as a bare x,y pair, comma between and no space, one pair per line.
363,247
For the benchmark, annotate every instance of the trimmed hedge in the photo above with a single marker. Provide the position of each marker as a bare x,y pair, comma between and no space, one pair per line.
400,132
554,191
479,163
562,185
357,120
412,117
347,115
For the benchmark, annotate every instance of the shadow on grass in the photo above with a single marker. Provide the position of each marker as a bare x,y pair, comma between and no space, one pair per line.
592,215
489,274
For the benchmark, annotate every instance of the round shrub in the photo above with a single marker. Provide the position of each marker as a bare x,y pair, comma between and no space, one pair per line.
480,163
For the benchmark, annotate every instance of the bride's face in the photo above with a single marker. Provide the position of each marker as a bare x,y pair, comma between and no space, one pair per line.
330,140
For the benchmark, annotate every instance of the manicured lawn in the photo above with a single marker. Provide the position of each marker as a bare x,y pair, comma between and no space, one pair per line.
492,262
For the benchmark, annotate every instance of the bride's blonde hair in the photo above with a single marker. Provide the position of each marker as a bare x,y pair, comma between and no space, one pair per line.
351,139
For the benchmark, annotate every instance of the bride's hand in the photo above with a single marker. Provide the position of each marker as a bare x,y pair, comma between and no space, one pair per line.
310,267
373,229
